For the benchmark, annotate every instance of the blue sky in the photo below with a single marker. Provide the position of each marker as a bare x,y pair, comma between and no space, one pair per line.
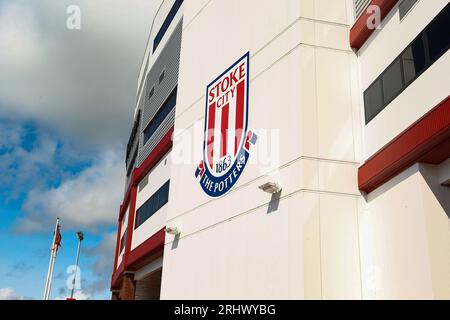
66,106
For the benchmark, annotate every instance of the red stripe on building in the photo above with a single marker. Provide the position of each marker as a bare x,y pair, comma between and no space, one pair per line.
115,279
224,129
210,133
146,251
137,175
360,32
158,152
119,231
130,223
240,103
427,140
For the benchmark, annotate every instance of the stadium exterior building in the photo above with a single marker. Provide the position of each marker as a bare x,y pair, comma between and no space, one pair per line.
289,150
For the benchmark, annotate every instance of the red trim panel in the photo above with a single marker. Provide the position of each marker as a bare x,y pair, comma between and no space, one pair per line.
427,140
130,223
119,231
116,275
146,249
150,246
150,250
138,173
359,33
160,150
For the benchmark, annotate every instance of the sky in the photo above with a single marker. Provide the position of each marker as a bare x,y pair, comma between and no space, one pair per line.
67,97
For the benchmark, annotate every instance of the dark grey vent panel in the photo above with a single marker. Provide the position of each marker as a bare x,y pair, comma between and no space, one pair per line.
168,63
405,6
360,6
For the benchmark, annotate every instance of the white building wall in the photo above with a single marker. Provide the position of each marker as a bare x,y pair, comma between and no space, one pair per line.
404,227
302,71
405,237
431,88
156,178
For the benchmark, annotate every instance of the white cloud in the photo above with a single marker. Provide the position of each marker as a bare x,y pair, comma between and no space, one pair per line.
90,200
19,42
102,266
104,254
11,135
10,294
81,83
25,168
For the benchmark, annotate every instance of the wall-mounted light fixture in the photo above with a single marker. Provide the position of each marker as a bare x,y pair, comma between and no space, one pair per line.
270,187
173,230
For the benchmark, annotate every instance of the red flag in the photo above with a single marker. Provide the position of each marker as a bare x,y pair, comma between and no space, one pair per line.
58,238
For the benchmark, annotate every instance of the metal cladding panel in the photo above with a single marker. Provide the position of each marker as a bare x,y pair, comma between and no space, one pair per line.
167,62
360,6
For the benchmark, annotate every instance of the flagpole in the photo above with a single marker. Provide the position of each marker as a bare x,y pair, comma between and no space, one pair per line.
51,264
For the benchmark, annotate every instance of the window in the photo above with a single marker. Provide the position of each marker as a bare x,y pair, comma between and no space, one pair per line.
133,135
413,60
373,100
152,91
163,112
392,81
153,204
161,76
170,16
427,48
438,34
122,241
130,166
405,6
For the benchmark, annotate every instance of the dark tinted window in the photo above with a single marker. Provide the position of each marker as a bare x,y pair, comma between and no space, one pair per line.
161,76
122,241
438,33
163,112
130,166
373,100
133,135
173,11
413,60
428,47
392,81
153,204
152,91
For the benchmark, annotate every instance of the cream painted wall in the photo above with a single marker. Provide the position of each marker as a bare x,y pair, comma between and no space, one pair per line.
404,225
321,239
431,88
303,76
405,238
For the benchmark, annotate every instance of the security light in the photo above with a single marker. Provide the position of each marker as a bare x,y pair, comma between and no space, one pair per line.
270,187
174,230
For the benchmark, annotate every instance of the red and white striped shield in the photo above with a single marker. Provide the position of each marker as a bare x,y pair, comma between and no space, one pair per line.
226,117
227,140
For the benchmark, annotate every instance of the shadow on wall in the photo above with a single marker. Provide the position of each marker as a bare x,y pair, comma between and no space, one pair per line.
274,202
431,175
